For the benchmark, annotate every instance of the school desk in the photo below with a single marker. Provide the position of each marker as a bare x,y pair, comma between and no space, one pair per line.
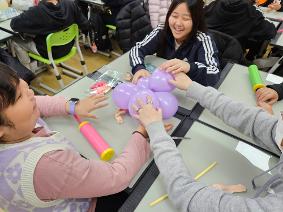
116,135
5,35
237,163
237,86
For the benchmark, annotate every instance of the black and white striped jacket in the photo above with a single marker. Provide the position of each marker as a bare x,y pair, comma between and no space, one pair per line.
200,52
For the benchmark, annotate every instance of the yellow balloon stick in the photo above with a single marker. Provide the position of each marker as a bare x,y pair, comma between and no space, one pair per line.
199,175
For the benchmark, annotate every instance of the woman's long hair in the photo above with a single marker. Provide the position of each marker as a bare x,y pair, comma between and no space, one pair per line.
197,13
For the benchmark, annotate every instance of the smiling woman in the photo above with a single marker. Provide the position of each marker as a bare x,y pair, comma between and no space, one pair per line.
183,42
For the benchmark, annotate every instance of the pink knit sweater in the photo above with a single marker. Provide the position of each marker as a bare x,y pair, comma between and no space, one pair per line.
65,174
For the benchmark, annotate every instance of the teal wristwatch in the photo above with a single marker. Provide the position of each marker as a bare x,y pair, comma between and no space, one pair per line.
72,104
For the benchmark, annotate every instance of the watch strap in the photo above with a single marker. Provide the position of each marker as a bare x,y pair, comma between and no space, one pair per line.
72,106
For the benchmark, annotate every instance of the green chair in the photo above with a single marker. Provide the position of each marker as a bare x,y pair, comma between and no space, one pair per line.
61,38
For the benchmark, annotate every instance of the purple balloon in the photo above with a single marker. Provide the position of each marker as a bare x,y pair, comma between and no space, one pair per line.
159,81
143,83
122,94
168,103
142,95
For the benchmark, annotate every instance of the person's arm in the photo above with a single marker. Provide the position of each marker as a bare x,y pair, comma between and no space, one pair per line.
71,176
145,47
252,121
189,195
205,69
51,105
278,88
56,105
27,22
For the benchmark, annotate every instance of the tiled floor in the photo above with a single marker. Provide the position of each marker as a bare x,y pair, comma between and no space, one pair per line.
93,61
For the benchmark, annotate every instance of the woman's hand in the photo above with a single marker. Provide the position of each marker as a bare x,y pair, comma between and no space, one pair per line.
267,95
175,66
266,107
87,105
146,113
140,73
181,81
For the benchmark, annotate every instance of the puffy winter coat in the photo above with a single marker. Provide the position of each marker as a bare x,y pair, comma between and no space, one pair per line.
157,11
133,24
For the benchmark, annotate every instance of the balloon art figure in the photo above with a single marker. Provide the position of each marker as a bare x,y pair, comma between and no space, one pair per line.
157,87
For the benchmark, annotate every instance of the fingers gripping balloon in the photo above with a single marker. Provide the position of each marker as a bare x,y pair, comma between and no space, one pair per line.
159,81
142,96
156,86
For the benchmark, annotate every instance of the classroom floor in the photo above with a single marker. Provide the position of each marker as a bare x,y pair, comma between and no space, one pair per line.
93,61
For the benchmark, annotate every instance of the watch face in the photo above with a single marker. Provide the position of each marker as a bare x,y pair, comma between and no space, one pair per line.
76,100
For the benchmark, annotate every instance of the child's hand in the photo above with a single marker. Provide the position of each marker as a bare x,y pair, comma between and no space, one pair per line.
139,74
266,107
181,81
267,95
88,104
275,5
175,66
146,113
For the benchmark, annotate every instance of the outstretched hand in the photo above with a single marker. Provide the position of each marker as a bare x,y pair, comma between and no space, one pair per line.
89,104
139,74
175,66
267,95
181,81
267,107
146,112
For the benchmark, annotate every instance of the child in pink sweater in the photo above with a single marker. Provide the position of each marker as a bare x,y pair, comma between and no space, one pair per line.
40,169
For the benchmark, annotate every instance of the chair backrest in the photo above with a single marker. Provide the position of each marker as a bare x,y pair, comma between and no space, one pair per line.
229,48
62,37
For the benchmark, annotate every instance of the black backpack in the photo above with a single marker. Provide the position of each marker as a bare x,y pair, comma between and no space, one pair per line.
98,32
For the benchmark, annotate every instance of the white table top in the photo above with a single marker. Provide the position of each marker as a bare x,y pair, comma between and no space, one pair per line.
237,86
271,14
203,149
122,65
116,135
5,35
278,39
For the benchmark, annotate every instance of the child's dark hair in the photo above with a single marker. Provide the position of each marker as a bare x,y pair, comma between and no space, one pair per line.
197,13
9,82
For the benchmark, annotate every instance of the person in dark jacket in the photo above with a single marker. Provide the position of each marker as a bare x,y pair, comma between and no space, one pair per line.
183,42
240,19
133,24
39,21
115,6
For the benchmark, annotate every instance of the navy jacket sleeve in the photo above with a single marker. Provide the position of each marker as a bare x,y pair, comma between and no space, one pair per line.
278,88
205,69
147,46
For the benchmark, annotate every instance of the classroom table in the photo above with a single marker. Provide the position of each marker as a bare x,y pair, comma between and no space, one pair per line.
4,35
237,86
117,135
122,65
237,163
278,39
271,14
